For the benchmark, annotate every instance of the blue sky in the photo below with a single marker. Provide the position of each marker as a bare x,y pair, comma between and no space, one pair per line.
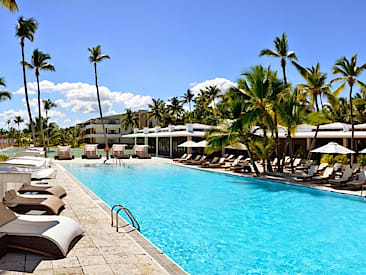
162,48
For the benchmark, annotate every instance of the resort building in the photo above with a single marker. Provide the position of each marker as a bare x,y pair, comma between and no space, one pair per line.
93,129
165,141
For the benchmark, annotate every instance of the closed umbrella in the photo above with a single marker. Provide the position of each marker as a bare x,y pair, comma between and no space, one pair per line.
333,148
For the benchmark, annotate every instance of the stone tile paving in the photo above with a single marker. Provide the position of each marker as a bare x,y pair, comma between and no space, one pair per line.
100,251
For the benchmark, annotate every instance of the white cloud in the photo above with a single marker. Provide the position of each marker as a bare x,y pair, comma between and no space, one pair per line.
11,114
221,83
21,92
67,121
82,97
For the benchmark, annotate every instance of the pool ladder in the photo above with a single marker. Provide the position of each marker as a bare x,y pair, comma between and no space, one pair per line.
132,219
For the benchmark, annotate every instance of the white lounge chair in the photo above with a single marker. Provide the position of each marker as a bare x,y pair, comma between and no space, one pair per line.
346,176
118,151
181,158
64,153
26,162
37,173
51,236
353,185
91,152
309,175
328,172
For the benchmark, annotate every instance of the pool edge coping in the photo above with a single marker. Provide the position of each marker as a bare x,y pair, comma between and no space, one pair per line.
159,257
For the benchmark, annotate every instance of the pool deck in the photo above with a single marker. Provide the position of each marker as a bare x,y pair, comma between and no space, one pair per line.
101,250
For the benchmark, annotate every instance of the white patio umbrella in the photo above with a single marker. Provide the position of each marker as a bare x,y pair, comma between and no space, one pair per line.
363,151
188,143
202,143
237,146
333,148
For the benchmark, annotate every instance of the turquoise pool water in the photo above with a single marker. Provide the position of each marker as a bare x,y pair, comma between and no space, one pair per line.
211,223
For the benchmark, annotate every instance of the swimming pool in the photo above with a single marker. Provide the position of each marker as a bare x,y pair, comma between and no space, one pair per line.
211,223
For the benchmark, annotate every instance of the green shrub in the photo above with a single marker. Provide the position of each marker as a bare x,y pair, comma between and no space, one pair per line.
361,159
328,159
3,158
342,159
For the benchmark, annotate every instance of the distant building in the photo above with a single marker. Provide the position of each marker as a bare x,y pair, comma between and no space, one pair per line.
93,129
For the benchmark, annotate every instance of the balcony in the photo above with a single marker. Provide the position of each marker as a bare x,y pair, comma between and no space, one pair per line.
99,125
101,135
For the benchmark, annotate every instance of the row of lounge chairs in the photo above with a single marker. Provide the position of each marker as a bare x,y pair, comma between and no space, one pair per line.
45,234
228,162
91,152
338,176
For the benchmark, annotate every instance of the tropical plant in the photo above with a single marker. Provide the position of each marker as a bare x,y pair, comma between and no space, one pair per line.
157,110
4,95
281,51
328,158
361,160
25,29
349,71
3,158
18,120
96,57
175,108
130,120
212,92
47,106
314,88
187,98
10,5
39,63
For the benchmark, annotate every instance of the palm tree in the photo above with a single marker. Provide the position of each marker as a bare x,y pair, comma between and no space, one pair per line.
25,29
281,51
212,93
47,106
18,120
157,110
292,112
187,98
314,88
4,94
39,63
9,5
95,57
130,120
349,71
175,108
8,122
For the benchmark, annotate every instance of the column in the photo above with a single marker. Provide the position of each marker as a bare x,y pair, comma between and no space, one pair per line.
189,149
157,146
135,140
345,142
171,147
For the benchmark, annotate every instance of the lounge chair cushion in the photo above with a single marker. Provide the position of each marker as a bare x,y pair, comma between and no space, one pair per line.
6,215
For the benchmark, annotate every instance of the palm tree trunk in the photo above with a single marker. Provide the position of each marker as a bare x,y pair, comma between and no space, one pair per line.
352,123
316,131
48,132
291,151
26,95
283,65
252,160
277,151
100,110
40,116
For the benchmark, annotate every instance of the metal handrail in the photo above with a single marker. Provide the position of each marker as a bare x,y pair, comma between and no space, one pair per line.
132,219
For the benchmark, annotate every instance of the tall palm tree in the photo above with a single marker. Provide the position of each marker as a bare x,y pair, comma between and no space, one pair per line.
47,106
25,29
9,5
314,88
130,120
157,110
8,122
281,51
187,98
39,63
95,57
4,94
175,108
349,71
212,93
18,120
